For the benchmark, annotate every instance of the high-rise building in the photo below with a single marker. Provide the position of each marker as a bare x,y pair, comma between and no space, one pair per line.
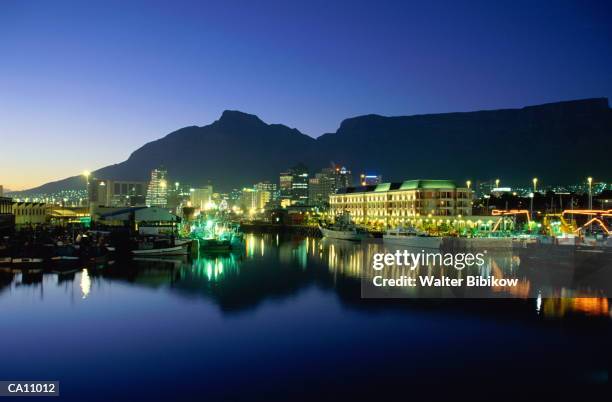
294,186
157,192
285,181
263,198
1,191
254,200
344,177
201,198
326,183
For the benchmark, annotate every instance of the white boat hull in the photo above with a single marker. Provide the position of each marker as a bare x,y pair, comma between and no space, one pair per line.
178,250
413,241
343,235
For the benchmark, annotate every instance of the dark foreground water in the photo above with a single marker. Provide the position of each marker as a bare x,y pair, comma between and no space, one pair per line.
284,320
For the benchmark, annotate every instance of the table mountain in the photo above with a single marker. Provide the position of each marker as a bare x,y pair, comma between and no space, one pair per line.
559,142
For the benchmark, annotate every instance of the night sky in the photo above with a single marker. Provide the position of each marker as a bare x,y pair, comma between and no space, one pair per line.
83,85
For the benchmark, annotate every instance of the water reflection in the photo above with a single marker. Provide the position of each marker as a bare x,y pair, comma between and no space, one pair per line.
85,283
272,266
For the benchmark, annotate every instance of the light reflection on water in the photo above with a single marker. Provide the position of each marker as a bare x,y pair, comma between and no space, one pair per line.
270,265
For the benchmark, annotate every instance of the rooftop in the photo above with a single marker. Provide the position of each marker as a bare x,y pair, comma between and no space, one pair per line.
405,185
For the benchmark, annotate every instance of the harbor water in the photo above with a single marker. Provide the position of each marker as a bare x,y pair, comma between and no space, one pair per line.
283,318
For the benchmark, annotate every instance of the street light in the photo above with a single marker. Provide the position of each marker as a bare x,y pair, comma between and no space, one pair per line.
86,174
590,181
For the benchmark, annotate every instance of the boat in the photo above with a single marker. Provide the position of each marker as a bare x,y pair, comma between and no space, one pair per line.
344,229
214,236
411,237
159,247
215,244
65,256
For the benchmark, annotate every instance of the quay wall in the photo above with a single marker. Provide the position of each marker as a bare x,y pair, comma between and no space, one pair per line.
304,230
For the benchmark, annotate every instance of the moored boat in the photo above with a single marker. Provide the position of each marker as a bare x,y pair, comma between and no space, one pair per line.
344,229
214,245
176,250
161,247
66,256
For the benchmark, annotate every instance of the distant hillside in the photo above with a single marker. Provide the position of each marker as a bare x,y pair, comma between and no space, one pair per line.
559,142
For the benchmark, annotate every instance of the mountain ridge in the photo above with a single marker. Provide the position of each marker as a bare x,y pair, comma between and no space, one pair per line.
240,149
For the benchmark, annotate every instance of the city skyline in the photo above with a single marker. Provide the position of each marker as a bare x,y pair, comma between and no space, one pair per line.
75,74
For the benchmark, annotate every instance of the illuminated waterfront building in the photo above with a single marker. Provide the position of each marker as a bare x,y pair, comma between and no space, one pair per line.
157,192
7,219
29,213
398,203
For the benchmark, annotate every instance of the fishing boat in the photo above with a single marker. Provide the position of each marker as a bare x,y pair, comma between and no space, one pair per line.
344,229
411,237
214,236
215,244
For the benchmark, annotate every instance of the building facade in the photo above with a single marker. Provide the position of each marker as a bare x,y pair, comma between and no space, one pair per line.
327,182
391,204
201,198
254,200
157,191
293,186
7,219
29,213
272,188
116,193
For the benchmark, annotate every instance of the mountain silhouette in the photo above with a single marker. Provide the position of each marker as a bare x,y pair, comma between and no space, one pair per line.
559,143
